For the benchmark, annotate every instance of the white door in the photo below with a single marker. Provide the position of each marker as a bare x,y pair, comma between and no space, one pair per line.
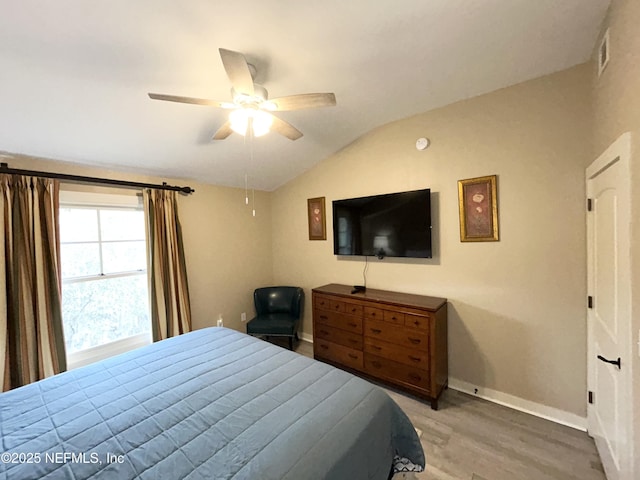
609,316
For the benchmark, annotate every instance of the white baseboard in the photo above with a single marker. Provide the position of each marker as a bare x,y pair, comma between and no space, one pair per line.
305,337
555,415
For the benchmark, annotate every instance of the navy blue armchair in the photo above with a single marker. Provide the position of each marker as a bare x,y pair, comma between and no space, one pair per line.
278,312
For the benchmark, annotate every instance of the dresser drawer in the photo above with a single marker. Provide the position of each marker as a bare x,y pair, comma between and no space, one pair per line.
324,302
353,309
335,335
417,358
387,332
339,320
346,356
396,372
373,313
417,321
393,317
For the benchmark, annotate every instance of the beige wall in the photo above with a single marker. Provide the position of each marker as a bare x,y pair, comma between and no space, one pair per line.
616,100
228,251
516,312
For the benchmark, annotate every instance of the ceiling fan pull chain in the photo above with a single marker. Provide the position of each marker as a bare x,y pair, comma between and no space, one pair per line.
253,192
246,190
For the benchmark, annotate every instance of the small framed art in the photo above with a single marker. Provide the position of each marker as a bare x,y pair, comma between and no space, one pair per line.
317,219
478,199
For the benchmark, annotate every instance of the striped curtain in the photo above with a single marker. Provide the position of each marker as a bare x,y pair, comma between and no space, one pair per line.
168,289
31,332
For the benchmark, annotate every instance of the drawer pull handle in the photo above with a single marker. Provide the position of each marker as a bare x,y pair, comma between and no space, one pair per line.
375,330
376,364
354,325
415,376
324,317
354,310
354,356
351,340
375,347
324,332
324,346
373,314
416,323
415,341
414,359
337,307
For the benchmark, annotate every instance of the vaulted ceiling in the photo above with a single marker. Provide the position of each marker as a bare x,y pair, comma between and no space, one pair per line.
75,75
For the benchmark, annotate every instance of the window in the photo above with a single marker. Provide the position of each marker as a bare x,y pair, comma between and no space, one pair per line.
105,305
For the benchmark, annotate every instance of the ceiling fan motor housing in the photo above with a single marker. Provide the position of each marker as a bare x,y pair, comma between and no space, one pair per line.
260,95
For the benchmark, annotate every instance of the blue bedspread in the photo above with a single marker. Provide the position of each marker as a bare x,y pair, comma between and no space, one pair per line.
211,404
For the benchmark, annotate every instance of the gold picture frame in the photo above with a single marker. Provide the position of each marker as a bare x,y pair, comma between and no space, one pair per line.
317,219
478,202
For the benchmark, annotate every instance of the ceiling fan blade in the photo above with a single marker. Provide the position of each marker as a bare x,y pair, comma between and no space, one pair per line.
195,101
298,102
237,70
223,132
284,128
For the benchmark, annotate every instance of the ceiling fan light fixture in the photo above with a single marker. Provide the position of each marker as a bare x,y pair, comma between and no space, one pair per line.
244,118
239,121
261,123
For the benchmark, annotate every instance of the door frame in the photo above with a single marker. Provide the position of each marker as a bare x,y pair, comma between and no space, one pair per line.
618,152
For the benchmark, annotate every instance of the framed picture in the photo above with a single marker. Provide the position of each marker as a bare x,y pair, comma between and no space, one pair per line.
478,199
317,220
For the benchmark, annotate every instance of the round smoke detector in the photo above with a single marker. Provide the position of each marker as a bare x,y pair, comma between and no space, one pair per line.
422,143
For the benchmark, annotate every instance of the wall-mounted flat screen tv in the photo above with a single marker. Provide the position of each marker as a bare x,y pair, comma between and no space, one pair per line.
389,225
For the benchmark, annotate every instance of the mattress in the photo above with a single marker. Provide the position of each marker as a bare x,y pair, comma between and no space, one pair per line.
210,404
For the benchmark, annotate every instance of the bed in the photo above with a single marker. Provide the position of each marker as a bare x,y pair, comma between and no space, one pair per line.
214,404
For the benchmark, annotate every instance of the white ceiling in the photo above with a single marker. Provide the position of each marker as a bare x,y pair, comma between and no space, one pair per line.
75,74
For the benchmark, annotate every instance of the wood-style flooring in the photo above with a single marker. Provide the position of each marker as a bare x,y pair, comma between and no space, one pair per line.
468,438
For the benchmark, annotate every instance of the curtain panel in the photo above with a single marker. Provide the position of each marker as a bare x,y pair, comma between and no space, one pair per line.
31,332
168,287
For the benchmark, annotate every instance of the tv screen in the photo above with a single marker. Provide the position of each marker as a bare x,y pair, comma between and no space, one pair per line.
390,225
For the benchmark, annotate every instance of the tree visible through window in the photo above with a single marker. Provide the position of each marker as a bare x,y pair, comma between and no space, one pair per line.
104,279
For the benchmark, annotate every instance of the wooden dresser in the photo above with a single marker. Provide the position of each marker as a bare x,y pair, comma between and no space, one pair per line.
397,338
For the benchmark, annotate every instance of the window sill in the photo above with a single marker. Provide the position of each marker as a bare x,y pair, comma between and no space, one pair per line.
94,354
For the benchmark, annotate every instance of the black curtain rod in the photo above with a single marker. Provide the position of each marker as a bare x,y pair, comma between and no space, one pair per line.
4,168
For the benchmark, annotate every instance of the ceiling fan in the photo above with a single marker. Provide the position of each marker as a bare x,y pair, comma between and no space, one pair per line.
250,106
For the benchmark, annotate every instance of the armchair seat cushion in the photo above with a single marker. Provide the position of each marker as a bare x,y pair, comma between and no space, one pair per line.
273,324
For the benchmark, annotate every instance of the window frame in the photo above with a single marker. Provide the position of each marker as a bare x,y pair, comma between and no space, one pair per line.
100,242
121,345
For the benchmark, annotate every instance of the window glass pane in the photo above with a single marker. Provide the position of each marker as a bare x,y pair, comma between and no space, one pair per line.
80,259
124,257
78,224
102,311
122,224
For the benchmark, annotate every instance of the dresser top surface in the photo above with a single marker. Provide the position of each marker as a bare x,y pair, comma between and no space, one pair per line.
383,296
